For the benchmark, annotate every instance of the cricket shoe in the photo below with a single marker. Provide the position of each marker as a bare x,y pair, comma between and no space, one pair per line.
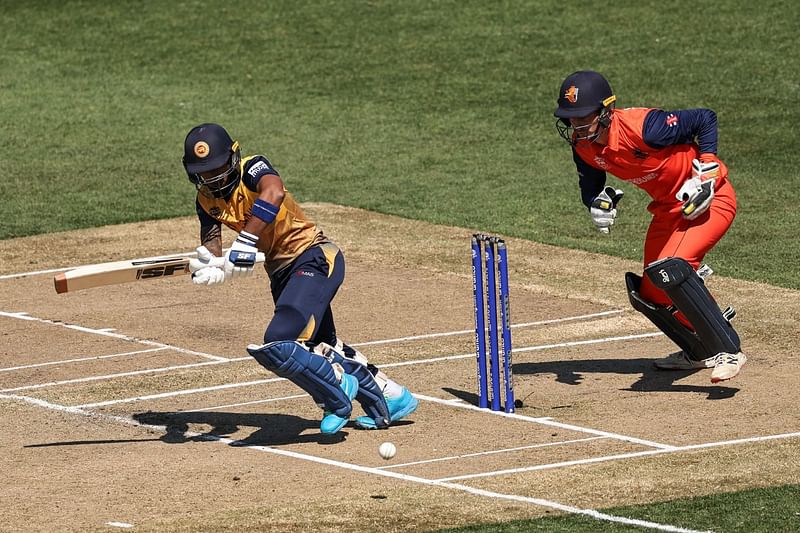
399,407
681,361
727,366
332,423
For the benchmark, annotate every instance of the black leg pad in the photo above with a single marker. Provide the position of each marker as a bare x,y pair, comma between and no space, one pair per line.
688,293
664,320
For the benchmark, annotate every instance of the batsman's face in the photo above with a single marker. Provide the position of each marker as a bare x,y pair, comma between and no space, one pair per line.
217,178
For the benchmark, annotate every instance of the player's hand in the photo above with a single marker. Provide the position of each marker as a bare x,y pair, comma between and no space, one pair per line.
241,258
206,269
698,191
604,208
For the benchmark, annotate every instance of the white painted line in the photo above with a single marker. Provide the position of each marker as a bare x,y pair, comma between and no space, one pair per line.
233,385
124,525
591,341
106,332
527,349
255,402
178,393
490,452
631,455
80,359
375,471
547,421
112,376
472,331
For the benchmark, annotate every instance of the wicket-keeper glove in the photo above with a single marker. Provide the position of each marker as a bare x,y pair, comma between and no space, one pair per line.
206,268
241,258
604,208
698,191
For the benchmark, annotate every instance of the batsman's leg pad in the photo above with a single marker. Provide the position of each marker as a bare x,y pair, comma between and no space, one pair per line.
370,395
664,320
687,291
311,372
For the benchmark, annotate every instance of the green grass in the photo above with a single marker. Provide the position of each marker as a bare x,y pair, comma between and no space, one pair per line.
421,109
769,510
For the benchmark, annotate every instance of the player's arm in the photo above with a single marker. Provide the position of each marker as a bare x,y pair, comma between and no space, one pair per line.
210,231
665,128
590,180
601,200
206,268
261,177
270,197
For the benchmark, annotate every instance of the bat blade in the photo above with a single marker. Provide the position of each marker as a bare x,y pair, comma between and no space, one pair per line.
89,276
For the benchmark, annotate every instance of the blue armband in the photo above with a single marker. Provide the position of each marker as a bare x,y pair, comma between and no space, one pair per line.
265,210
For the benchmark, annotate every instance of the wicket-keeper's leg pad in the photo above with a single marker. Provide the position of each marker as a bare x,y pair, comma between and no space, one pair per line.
370,395
688,292
311,372
665,320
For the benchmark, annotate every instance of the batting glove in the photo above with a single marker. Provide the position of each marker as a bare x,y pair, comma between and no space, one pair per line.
603,208
206,269
698,191
241,258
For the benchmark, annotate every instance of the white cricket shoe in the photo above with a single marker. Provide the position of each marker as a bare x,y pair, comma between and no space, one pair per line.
727,366
681,361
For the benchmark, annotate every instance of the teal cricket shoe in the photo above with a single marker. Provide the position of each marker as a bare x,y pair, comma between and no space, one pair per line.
332,423
402,406
399,408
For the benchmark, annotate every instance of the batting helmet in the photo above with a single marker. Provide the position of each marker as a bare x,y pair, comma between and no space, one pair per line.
207,148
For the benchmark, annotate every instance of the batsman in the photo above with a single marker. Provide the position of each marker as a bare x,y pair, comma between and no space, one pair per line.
305,269
672,155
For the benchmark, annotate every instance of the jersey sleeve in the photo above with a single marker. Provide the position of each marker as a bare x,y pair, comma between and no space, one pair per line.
590,180
254,169
665,128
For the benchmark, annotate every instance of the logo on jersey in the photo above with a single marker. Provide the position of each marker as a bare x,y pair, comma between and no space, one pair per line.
201,149
214,212
304,273
600,162
258,167
572,94
644,179
672,120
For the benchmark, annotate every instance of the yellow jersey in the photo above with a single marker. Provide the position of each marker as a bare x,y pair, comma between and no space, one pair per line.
283,240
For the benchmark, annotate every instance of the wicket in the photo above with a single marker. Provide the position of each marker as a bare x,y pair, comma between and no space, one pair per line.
492,252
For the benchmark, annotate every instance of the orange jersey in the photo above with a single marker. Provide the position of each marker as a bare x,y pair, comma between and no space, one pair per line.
283,240
659,170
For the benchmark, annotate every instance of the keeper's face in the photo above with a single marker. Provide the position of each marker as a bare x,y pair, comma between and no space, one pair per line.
585,127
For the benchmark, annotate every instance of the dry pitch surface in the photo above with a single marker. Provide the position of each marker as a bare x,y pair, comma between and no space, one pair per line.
137,404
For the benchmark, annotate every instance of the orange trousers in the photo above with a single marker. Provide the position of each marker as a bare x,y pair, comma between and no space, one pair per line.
670,235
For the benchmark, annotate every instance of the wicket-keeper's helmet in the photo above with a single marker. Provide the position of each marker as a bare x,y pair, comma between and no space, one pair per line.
583,93
208,147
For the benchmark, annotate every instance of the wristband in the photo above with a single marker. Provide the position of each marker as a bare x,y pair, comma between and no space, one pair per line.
265,210
247,238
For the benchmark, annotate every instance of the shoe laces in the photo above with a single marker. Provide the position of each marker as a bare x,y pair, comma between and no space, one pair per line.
726,359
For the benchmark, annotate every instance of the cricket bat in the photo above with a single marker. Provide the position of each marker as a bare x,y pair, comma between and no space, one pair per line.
101,274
